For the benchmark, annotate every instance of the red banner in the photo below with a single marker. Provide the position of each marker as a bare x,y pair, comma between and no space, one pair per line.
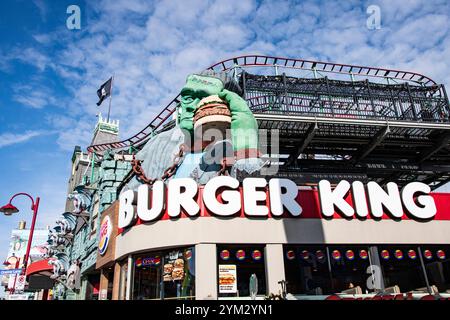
309,201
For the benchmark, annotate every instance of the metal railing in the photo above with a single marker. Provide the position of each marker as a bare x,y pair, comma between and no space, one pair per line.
345,99
405,106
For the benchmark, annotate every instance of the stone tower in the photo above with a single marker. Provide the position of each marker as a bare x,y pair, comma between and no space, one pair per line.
106,131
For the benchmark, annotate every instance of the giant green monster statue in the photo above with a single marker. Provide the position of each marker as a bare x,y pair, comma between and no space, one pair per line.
244,128
204,162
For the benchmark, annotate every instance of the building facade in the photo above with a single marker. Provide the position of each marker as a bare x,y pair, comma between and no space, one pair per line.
16,254
91,188
308,187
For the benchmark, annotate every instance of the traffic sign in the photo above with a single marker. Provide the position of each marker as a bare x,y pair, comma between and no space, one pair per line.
10,271
20,283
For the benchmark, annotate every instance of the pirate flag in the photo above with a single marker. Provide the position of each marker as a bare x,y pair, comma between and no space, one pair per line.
104,91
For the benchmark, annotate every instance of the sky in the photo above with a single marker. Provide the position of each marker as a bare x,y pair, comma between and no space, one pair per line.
49,74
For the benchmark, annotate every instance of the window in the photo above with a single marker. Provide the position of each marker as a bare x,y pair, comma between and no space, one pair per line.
236,265
147,278
92,286
437,264
402,268
321,270
324,270
165,275
349,268
307,270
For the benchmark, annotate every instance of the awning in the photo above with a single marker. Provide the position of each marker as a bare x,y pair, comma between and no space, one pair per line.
40,267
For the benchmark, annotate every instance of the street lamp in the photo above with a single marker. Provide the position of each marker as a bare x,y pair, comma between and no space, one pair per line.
16,265
9,209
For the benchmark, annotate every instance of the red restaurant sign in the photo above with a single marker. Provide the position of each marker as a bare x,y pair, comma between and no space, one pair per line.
280,198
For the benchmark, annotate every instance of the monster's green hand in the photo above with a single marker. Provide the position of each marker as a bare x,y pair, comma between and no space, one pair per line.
244,128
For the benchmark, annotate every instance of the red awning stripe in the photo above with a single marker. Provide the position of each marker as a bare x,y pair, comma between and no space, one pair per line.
39,266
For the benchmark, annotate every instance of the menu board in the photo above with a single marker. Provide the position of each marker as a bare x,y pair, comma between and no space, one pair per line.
227,278
173,266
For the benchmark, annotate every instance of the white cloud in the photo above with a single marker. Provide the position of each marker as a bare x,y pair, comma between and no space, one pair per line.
152,46
34,96
42,7
34,57
8,139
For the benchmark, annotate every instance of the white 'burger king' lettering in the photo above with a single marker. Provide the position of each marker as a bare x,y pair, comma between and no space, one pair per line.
252,196
231,198
157,201
379,199
280,200
127,211
427,208
181,195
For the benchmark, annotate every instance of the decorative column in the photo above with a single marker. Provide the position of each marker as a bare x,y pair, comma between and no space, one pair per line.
205,271
116,281
274,264
103,289
82,294
129,277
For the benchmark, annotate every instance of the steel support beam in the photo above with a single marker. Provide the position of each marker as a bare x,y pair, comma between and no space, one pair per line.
391,178
440,143
440,184
346,121
433,177
376,140
309,135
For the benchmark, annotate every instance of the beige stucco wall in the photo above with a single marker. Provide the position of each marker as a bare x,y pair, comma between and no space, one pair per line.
206,271
206,232
274,267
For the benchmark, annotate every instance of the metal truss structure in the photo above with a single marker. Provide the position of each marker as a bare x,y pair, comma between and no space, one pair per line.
359,128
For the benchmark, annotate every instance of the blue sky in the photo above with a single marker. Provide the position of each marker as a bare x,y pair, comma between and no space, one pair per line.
49,74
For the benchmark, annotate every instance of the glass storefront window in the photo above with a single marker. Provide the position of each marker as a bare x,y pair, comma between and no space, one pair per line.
317,270
307,270
92,286
349,268
147,278
321,270
165,275
437,264
402,268
236,265
179,274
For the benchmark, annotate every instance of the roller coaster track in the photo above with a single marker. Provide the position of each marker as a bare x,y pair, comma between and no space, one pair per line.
267,61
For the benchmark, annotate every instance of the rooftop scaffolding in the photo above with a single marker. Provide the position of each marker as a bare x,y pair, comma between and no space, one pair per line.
237,65
377,124
345,99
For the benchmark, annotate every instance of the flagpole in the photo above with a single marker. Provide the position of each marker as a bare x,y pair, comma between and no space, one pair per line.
110,97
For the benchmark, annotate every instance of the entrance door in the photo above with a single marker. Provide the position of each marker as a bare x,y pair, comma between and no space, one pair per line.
147,283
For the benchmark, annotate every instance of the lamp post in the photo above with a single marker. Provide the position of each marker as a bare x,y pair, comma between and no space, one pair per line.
9,209
16,266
